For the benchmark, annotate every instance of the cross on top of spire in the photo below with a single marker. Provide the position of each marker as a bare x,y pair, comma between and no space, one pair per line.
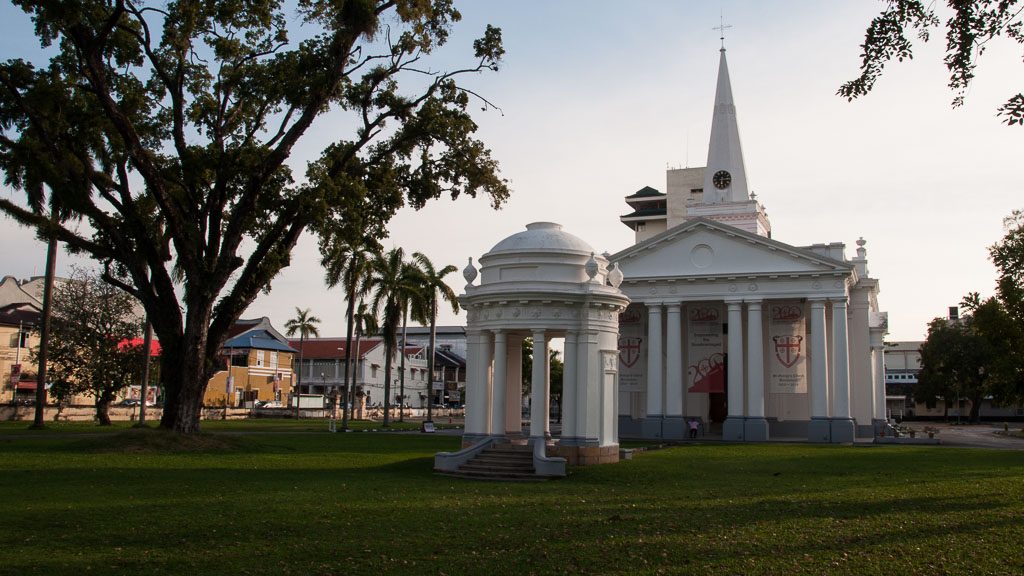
722,27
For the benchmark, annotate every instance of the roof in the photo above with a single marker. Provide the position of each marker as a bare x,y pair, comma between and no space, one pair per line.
646,212
540,237
441,330
258,340
752,238
332,348
646,192
448,359
23,313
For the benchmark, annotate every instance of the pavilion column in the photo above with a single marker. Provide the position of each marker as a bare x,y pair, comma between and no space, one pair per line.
734,423
538,415
500,378
478,401
514,386
674,372
547,390
755,426
655,410
569,396
843,427
818,430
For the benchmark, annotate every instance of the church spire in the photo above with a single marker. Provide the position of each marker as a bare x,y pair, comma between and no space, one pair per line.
725,178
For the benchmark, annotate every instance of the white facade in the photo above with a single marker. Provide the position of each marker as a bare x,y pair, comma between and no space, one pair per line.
730,327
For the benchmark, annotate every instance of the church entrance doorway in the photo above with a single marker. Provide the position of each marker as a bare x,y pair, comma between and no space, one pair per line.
718,409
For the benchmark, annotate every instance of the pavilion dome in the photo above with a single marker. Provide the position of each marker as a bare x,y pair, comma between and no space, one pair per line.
542,236
541,254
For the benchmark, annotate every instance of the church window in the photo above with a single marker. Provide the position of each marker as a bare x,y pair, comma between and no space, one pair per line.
640,226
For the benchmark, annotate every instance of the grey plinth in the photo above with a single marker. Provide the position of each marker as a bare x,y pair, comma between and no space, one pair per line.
844,431
733,429
819,430
674,427
755,430
651,426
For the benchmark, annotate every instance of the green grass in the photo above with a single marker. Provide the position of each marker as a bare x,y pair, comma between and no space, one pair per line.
316,503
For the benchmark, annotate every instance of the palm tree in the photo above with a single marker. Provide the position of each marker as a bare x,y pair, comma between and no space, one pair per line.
391,286
365,323
305,324
434,286
348,264
413,296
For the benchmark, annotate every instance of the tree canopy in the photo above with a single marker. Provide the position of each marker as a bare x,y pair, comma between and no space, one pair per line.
970,27
168,127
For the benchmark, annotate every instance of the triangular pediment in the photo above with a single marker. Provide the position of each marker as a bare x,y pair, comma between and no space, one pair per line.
705,248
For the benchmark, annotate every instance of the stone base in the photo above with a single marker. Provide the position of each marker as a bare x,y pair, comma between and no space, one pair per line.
650,427
755,430
844,431
866,430
586,455
674,427
628,427
471,439
819,430
733,428
879,427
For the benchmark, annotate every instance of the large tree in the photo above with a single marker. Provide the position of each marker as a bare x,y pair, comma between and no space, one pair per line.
1008,256
92,352
970,27
169,127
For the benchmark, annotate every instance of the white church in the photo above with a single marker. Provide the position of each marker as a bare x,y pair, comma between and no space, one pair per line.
706,321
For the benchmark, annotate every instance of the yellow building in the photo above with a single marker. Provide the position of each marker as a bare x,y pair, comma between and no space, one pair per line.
259,362
16,365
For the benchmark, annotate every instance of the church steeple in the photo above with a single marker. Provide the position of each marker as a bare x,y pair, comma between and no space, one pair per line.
725,178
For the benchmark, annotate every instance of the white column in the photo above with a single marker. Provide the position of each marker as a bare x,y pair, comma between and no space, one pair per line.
840,361
500,377
735,384
878,380
537,380
547,389
654,384
755,361
475,393
569,398
674,368
514,385
819,361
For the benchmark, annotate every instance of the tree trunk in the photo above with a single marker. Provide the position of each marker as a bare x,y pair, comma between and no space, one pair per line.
389,351
347,384
103,407
185,371
401,370
355,367
44,331
976,409
147,343
431,358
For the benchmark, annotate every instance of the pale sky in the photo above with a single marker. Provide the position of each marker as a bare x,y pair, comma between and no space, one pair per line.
598,97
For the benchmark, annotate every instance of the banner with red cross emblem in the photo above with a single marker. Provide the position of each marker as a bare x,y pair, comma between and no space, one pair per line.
788,348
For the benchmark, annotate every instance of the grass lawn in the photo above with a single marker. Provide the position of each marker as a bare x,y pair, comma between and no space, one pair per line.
303,501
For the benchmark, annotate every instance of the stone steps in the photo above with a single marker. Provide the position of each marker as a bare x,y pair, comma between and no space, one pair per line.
501,462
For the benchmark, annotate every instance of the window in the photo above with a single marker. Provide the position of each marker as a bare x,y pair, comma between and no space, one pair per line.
640,226
373,370
259,357
273,359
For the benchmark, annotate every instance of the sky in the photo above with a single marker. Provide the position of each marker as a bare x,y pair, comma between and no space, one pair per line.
597,98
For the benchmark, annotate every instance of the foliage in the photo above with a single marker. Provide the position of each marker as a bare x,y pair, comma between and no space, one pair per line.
1008,256
89,353
746,509
169,129
968,30
973,357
